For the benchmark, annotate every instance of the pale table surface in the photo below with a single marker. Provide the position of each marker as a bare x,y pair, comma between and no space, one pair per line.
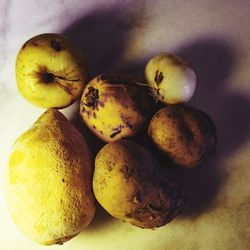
214,37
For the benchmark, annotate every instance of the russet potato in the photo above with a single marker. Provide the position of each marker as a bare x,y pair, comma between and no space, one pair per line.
127,184
185,135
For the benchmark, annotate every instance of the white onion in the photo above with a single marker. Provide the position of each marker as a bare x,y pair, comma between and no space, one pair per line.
170,78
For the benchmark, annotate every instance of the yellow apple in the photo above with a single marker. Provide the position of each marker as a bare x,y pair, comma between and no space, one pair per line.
50,71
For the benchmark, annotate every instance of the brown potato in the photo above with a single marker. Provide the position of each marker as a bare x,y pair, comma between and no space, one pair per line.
187,136
127,185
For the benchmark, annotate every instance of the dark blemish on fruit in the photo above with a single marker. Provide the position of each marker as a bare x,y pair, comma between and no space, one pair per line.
91,97
157,91
109,168
35,44
59,243
56,45
63,180
101,103
154,209
137,199
129,125
46,77
94,115
185,131
83,109
100,131
66,79
171,143
88,114
115,134
94,127
127,171
117,130
137,214
158,77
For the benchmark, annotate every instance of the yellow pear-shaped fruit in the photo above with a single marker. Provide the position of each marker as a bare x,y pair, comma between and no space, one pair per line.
50,71
48,183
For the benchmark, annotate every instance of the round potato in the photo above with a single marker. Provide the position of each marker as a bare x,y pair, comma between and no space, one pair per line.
127,185
185,135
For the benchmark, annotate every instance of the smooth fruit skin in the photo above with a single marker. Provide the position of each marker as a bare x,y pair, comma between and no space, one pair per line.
127,184
50,71
185,135
48,185
114,107
170,78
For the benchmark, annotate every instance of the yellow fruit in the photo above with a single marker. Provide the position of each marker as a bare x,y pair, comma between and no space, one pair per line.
114,107
50,71
48,186
127,185
170,78
185,135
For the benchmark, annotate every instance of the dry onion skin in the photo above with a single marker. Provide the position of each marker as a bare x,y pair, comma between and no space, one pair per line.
170,78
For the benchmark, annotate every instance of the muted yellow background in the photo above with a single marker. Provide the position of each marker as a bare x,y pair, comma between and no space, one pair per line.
214,36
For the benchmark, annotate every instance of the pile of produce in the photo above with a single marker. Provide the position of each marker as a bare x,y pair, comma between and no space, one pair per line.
53,186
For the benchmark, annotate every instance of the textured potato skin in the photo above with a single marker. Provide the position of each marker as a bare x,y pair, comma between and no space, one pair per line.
186,135
127,185
114,107
48,187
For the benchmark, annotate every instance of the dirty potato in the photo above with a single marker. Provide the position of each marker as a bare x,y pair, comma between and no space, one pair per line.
185,135
114,107
127,185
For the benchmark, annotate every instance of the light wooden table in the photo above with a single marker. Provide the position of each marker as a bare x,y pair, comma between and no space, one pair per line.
214,36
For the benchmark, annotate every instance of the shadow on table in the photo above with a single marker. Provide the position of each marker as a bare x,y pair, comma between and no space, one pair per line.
103,35
213,61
